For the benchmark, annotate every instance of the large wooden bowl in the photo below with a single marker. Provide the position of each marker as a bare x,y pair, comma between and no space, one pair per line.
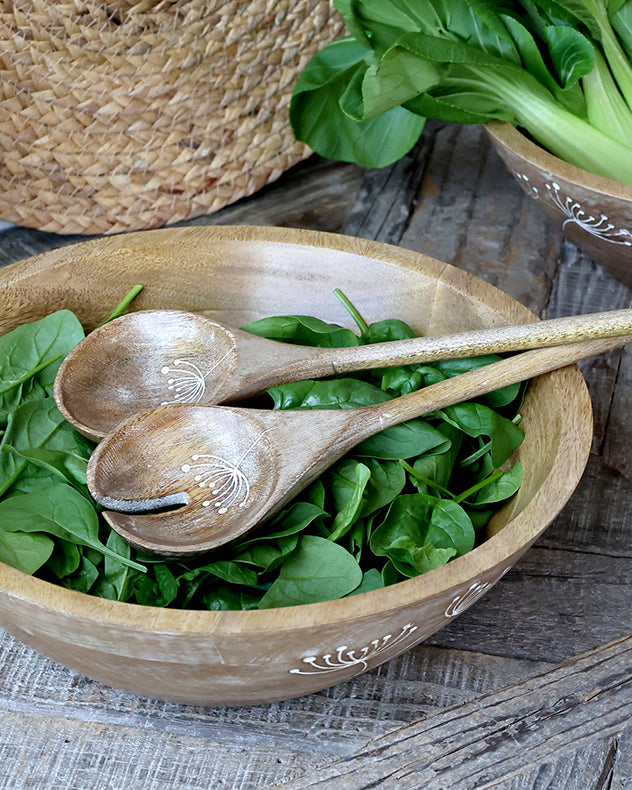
594,212
240,274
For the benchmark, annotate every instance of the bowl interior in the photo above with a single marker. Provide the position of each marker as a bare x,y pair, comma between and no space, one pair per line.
238,274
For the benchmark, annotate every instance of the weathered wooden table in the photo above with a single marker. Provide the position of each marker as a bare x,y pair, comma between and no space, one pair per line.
530,688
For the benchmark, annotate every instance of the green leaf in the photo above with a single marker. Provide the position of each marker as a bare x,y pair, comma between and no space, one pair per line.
59,511
415,525
371,580
502,488
475,419
319,570
348,481
65,559
400,76
450,527
83,578
408,439
26,347
573,55
37,424
68,466
116,572
24,551
333,394
387,480
318,119
304,330
387,330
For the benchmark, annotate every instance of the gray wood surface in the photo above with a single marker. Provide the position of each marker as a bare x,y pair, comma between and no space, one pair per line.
529,689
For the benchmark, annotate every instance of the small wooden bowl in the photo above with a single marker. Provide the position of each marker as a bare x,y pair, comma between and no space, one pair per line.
594,212
239,274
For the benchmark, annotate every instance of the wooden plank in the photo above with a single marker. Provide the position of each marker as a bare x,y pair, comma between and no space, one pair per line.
471,213
385,201
499,736
580,286
39,752
619,776
588,768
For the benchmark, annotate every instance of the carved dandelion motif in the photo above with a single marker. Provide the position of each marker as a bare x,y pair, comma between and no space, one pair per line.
226,483
344,656
186,380
597,224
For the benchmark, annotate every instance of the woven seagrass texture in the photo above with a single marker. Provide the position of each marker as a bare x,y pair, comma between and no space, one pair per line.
127,115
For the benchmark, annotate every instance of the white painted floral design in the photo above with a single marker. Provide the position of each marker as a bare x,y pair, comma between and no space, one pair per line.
186,380
598,225
464,600
227,484
226,481
344,657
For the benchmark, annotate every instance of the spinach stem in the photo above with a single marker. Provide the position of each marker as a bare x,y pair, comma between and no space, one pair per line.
32,373
423,479
473,489
122,306
353,312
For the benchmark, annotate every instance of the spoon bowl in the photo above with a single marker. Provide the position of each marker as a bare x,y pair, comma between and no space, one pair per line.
231,468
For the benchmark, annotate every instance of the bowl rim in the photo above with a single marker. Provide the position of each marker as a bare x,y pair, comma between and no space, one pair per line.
520,145
498,550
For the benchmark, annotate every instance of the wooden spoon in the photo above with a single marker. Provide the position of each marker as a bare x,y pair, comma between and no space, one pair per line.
155,357
230,468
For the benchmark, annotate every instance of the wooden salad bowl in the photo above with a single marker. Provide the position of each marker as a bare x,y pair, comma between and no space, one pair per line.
593,211
238,274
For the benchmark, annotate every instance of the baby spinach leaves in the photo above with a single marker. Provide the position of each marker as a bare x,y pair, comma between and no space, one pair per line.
403,502
48,522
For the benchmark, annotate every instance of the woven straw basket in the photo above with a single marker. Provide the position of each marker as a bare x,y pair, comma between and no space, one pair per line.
128,114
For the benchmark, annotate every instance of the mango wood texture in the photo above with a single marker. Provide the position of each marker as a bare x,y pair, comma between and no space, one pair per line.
149,460
453,199
242,274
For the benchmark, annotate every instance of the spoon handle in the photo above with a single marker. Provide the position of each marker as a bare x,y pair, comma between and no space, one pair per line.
298,362
538,334
483,380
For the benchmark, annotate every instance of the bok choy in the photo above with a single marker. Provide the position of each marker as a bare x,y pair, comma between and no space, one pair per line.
558,69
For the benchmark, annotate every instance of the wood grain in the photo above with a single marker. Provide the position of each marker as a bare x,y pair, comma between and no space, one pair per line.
500,736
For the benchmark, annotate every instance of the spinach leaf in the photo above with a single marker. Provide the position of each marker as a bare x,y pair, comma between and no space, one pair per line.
36,424
348,482
304,330
420,530
25,351
335,394
319,570
61,512
406,440
25,551
475,419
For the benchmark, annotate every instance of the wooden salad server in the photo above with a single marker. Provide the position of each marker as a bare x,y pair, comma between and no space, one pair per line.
230,468
157,357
